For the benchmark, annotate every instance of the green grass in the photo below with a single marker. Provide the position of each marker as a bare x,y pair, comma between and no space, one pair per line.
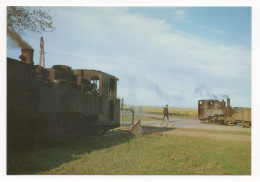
174,112
176,115
248,133
153,154
146,118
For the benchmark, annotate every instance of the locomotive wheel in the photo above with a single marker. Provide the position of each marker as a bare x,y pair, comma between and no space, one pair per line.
216,120
212,120
246,124
219,122
229,121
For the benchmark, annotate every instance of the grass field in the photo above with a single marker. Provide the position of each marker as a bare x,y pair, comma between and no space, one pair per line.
145,118
216,131
154,153
176,112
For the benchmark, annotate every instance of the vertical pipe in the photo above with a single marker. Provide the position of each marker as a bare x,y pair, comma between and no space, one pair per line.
133,116
122,103
40,61
223,103
228,102
199,108
43,59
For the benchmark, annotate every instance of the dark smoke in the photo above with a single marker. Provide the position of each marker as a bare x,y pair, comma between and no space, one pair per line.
224,96
155,87
162,94
202,90
17,38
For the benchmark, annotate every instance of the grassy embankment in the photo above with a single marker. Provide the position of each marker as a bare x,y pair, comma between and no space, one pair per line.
154,153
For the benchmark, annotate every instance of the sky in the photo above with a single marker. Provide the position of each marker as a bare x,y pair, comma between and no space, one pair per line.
161,55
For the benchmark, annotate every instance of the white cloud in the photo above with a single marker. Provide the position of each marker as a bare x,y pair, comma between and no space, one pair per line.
130,46
141,44
179,15
180,12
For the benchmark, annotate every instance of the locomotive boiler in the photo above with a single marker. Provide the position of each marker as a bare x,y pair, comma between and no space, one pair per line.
51,103
221,112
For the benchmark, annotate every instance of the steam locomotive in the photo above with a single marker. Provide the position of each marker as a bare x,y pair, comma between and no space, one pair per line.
53,102
216,112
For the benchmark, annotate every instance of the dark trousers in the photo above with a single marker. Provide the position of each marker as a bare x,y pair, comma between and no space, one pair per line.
166,117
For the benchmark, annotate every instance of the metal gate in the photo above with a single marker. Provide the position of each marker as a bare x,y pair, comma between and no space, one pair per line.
127,117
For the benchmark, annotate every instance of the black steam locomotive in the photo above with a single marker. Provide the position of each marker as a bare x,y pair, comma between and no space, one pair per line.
47,103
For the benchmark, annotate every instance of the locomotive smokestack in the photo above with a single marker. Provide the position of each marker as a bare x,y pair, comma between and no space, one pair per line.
228,102
28,55
223,104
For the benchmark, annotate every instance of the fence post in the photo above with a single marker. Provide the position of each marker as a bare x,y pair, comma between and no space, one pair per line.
133,116
122,103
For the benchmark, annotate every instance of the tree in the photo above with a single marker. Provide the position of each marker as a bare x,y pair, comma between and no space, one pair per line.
20,19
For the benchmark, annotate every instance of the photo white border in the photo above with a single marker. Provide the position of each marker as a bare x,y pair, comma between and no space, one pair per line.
255,4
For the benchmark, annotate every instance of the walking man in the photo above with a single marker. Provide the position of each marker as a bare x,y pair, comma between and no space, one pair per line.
165,114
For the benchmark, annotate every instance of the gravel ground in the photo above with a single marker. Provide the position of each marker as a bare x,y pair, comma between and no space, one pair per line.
196,124
191,124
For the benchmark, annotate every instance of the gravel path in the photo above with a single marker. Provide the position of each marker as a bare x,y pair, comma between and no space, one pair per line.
196,124
191,124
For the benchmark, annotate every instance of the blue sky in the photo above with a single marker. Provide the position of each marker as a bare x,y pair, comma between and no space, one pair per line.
161,55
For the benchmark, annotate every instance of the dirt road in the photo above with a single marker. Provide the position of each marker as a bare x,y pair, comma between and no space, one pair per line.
191,124
184,123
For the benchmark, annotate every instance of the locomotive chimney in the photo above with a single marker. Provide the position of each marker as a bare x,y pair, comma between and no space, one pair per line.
228,102
223,104
28,55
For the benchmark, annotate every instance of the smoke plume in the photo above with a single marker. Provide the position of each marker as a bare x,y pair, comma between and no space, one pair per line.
214,97
204,91
224,96
17,38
